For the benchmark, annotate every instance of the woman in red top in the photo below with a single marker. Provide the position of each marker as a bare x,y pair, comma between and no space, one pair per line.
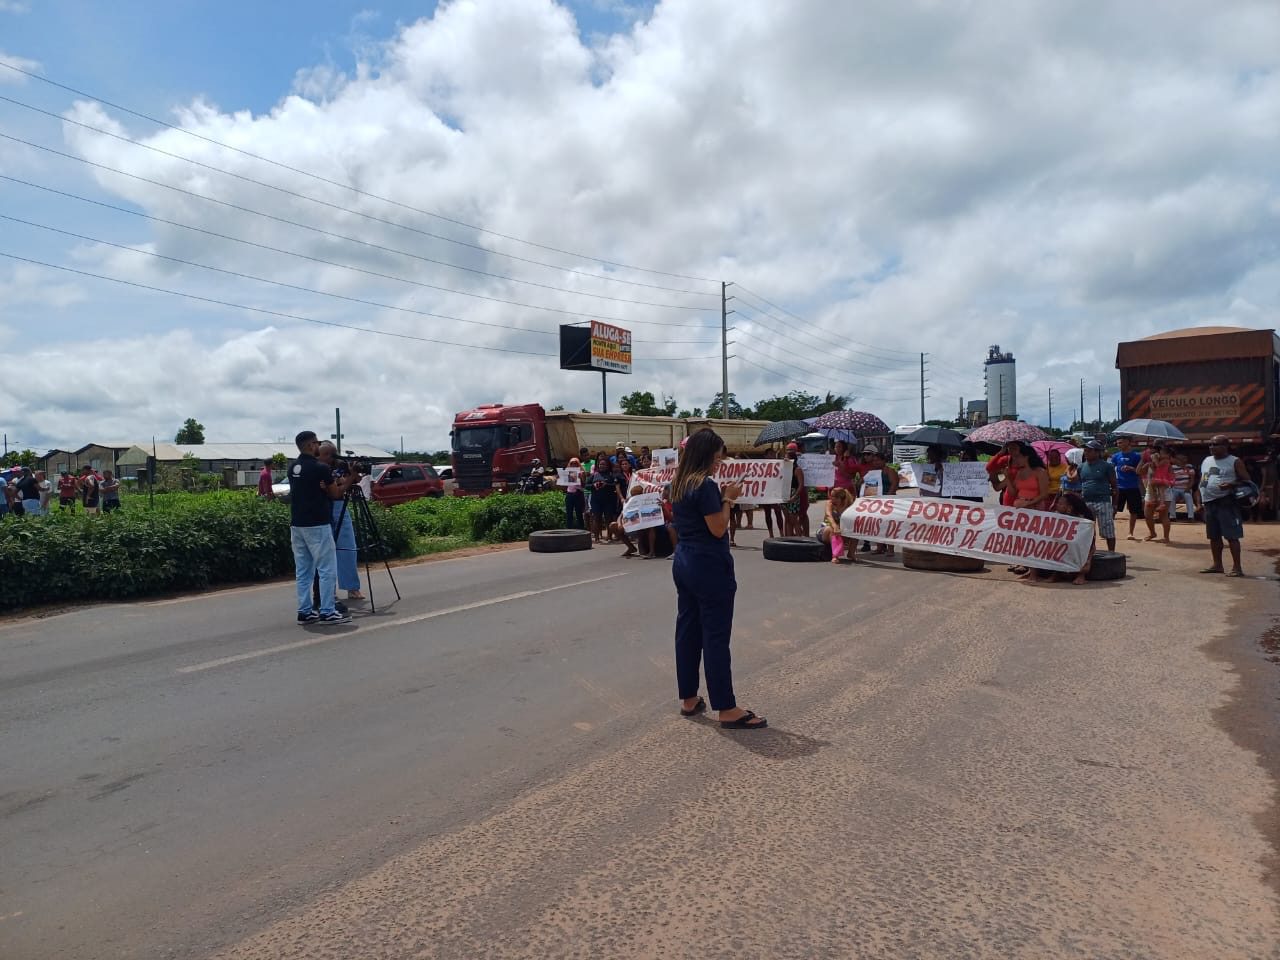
1028,479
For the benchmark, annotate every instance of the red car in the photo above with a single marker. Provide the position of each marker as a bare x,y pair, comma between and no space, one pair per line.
401,482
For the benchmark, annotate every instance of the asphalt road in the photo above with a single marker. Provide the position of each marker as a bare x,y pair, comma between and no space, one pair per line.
956,767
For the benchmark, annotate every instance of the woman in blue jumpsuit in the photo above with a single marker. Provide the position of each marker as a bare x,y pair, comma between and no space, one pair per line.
705,586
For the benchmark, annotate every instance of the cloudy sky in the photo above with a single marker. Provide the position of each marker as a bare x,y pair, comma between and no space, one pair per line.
411,197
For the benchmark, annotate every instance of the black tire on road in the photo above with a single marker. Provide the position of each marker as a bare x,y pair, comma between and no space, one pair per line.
796,549
1108,566
929,560
559,541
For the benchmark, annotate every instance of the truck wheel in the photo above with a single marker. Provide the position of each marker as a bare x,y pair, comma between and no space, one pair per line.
1108,566
796,549
559,541
929,560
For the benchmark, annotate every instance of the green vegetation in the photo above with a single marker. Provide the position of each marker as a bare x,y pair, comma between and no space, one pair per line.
192,541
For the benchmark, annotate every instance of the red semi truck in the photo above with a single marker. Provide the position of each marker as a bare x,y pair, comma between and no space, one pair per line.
1208,381
494,444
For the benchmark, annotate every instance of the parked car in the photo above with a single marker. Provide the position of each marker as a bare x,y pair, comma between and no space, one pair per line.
401,482
446,474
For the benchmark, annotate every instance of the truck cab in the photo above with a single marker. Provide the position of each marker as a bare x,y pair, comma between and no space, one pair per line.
494,444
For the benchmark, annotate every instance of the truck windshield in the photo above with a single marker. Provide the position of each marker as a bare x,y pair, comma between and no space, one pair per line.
487,439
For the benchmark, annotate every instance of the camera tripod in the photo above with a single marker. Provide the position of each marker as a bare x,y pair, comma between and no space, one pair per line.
368,539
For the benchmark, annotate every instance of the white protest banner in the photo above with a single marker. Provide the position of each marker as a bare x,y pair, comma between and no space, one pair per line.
1046,541
927,479
819,469
642,511
664,458
763,481
872,484
965,479
568,475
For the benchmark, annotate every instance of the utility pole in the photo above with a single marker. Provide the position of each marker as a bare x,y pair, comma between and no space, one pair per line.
724,349
1051,408
922,388
402,444
337,427
1082,403
1099,406
604,392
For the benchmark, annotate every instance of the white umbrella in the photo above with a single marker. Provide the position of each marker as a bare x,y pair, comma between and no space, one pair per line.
1154,429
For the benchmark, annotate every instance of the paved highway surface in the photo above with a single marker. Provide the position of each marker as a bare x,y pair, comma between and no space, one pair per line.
957,766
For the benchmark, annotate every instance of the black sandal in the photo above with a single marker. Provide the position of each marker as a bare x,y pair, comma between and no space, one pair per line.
744,722
699,707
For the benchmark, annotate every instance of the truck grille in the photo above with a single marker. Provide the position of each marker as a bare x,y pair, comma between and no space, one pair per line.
474,474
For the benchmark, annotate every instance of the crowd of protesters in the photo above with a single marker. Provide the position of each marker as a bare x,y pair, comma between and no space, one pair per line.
1086,480
25,492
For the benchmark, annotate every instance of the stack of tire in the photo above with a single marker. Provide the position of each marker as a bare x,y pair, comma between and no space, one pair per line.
796,549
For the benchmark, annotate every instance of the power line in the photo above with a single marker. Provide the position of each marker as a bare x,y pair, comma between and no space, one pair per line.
323,232
294,253
367,216
294,316
867,346
294,286
756,318
851,388
356,190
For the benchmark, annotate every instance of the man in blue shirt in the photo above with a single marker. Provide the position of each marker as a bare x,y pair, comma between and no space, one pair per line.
1097,480
1128,482
312,488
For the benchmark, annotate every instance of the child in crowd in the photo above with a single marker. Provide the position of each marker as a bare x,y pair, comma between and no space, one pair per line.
1073,505
840,501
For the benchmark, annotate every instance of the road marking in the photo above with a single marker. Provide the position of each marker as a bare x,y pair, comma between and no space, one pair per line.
417,618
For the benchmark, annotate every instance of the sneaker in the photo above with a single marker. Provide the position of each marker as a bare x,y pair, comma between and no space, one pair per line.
335,617
311,617
339,606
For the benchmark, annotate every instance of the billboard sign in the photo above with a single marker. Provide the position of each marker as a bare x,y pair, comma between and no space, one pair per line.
601,347
610,348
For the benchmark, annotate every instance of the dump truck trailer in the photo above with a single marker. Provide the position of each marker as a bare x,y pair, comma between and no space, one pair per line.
1208,381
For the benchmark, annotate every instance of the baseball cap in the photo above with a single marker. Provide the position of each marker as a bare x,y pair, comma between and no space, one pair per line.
1093,445
870,448
793,446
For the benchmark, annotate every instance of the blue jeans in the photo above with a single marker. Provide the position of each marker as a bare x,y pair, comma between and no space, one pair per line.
348,569
313,552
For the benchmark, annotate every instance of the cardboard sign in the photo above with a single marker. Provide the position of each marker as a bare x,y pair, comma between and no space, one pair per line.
1045,541
568,475
819,469
642,511
965,479
763,481
927,478
664,458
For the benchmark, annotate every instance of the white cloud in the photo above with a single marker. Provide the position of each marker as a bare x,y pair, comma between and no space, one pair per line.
15,6
22,63
913,176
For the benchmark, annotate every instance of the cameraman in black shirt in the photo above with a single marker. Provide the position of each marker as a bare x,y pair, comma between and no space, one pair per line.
312,489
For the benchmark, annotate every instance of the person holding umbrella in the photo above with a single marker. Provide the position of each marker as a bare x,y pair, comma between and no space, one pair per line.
702,569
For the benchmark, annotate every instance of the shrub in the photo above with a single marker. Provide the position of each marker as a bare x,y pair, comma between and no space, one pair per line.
189,541
440,517
504,518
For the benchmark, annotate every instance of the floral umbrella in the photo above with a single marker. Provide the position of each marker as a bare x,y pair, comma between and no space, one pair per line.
857,422
1002,431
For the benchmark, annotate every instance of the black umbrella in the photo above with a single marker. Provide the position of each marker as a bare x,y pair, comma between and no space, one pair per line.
782,430
935,437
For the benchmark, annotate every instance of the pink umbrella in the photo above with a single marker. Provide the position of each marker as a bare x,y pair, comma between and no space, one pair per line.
1001,432
1043,447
